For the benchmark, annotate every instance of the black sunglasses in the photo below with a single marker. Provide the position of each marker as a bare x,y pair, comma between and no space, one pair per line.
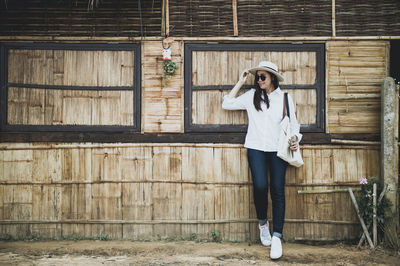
262,77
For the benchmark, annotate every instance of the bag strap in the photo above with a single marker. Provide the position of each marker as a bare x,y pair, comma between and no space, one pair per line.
285,106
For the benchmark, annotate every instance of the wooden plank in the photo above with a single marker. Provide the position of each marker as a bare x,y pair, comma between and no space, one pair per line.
167,163
18,165
137,205
167,205
235,22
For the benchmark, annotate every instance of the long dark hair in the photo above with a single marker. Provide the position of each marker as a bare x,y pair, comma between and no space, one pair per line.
257,95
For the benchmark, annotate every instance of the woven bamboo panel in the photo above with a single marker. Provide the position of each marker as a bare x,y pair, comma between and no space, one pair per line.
27,106
142,191
207,109
162,102
76,68
224,68
355,69
199,18
382,19
284,18
72,18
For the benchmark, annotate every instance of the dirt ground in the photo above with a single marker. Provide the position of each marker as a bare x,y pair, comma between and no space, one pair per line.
184,253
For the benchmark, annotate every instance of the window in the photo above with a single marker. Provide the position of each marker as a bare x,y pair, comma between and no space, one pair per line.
211,71
70,87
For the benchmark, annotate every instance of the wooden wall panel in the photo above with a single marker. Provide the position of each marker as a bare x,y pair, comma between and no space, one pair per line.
53,106
355,71
224,68
162,104
70,67
143,191
27,106
207,107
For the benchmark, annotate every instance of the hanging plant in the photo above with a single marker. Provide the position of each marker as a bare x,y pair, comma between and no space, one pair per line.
169,69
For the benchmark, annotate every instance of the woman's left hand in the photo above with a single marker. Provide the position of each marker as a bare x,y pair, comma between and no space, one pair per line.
294,144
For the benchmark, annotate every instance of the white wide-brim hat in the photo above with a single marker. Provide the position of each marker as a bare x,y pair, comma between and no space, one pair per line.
269,67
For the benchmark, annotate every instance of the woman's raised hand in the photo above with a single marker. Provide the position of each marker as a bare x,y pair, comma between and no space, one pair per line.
243,76
294,145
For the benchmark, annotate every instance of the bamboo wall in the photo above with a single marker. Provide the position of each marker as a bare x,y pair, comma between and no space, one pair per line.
89,106
162,105
141,190
135,191
355,71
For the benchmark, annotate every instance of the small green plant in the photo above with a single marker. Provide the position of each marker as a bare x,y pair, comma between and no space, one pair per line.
171,238
215,235
169,69
6,237
73,237
31,237
365,204
192,237
102,237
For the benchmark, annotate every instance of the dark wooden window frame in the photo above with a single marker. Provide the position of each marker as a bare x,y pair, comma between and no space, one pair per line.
5,47
319,48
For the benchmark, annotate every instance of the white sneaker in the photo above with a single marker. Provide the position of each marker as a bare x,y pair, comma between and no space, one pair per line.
276,248
265,236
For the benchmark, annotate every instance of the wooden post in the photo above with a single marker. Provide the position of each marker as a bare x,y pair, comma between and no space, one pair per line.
374,229
163,19
333,19
235,21
360,218
166,17
389,148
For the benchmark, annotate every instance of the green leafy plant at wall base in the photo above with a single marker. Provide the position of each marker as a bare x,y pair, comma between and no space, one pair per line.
365,203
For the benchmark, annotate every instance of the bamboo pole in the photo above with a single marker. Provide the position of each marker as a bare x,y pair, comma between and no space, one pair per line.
162,19
379,201
360,218
167,17
235,21
355,96
359,142
245,39
166,181
323,191
374,229
29,146
152,181
151,222
333,18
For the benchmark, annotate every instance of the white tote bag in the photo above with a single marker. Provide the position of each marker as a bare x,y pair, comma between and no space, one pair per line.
284,152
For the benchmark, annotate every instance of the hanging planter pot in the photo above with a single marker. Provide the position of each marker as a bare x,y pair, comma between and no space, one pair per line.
170,68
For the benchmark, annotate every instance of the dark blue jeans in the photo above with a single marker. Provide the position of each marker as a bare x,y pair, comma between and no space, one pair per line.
260,164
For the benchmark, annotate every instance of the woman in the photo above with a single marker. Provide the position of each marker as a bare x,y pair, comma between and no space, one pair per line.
264,106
